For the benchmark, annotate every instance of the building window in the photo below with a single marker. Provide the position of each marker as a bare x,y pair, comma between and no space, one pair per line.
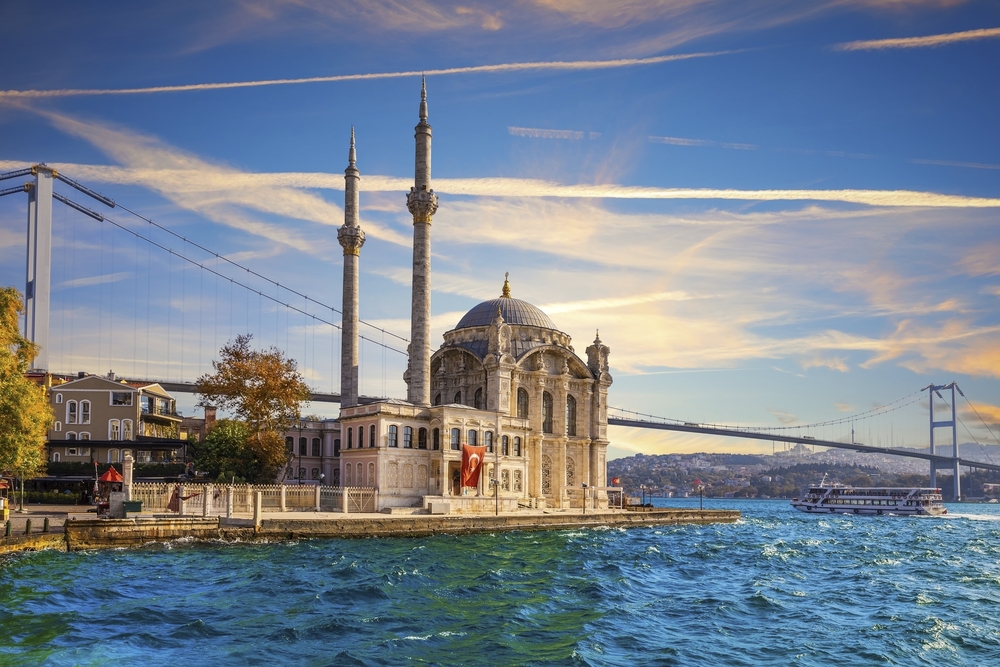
570,471
361,437
336,447
71,451
314,474
121,398
436,439
478,401
57,427
522,403
473,438
505,446
458,398
371,474
55,457
84,412
114,430
58,398
488,441
71,412
407,437
393,431
71,435
85,435
505,479
302,473
437,399
112,456
360,472
290,445
517,445
518,483
570,415
316,447
348,475
127,429
422,438
336,476
546,412
455,437
371,435
302,446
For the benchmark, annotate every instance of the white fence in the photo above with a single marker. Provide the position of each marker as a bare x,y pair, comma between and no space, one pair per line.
229,499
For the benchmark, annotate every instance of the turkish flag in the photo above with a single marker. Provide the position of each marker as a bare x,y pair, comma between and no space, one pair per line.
472,463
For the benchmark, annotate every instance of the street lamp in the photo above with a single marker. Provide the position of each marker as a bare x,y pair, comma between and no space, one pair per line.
496,492
585,498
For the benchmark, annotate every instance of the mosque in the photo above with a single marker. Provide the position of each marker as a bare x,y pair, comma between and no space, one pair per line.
505,378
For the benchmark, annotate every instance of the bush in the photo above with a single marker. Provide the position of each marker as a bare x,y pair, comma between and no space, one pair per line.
50,498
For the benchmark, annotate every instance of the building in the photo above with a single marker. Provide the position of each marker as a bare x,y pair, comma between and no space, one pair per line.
314,445
506,378
102,419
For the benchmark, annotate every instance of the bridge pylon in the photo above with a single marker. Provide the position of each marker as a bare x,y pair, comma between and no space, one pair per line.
933,389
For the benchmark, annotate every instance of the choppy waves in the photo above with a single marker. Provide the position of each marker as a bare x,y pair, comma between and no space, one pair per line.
777,588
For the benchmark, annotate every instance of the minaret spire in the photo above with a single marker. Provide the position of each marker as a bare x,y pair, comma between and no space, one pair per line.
351,237
422,203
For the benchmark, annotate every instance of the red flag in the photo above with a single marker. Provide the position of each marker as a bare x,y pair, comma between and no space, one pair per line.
472,463
615,481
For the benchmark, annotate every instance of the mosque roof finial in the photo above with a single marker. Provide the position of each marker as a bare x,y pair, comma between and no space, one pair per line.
423,98
352,156
506,286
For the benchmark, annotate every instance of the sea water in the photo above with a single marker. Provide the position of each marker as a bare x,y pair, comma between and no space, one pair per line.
777,588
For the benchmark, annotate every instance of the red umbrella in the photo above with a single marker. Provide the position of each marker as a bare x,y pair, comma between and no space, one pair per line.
112,475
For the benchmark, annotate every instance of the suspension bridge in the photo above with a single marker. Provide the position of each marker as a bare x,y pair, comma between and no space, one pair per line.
194,299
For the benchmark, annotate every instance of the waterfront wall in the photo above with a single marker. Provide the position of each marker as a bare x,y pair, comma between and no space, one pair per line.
33,542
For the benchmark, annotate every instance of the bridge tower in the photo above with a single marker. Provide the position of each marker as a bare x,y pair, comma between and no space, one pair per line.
953,423
38,284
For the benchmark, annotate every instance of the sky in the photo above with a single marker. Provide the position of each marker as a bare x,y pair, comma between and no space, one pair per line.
775,213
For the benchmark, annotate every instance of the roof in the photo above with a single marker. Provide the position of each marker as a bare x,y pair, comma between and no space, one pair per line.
514,311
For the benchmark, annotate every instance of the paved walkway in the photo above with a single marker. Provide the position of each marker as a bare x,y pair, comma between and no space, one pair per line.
56,515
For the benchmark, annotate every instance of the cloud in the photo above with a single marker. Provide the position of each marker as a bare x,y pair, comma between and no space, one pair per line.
949,163
982,260
552,65
678,141
843,407
94,280
538,133
987,412
919,42
784,417
833,363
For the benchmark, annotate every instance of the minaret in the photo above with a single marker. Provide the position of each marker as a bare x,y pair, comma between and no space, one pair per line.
351,237
422,203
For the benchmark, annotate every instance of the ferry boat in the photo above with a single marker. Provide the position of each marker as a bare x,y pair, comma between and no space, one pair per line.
902,501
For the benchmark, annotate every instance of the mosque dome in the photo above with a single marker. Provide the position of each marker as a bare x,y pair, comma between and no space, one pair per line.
514,311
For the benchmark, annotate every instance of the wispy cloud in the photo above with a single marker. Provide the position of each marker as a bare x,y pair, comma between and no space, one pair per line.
540,133
783,416
552,65
680,141
95,280
951,163
843,407
919,42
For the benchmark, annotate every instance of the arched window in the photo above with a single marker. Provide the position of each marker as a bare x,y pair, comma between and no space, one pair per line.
127,429
437,399
371,474
57,427
58,398
505,446
436,439
336,476
371,435
570,415
473,437
360,473
393,431
114,429
84,412
350,437
316,447
407,437
478,401
455,437
458,398
546,412
290,445
84,435
522,403
348,475
422,439
488,441
361,437
55,457
517,445
71,414
336,447
71,435
303,442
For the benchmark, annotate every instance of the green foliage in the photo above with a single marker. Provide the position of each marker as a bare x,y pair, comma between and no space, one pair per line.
265,391
227,452
25,413
51,498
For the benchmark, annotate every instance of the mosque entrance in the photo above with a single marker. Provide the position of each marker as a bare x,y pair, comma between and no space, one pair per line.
455,474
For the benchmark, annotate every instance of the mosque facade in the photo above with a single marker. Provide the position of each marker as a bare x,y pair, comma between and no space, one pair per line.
505,378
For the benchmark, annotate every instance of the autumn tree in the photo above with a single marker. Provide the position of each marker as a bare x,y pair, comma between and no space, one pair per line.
25,413
261,388
226,455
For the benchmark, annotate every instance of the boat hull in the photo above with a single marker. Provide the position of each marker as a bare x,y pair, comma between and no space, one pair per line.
812,508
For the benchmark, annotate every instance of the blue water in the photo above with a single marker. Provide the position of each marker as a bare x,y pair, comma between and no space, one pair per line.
778,588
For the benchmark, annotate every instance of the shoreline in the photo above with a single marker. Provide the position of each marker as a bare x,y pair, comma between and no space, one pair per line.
86,533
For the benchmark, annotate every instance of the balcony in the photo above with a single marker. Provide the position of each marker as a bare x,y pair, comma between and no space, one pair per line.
158,414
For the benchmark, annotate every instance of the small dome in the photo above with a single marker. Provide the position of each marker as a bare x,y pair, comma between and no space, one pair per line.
514,311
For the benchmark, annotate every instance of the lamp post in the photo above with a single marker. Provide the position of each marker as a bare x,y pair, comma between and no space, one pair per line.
496,492
585,498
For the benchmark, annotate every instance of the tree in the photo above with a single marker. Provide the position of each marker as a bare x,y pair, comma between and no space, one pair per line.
225,455
261,388
25,413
